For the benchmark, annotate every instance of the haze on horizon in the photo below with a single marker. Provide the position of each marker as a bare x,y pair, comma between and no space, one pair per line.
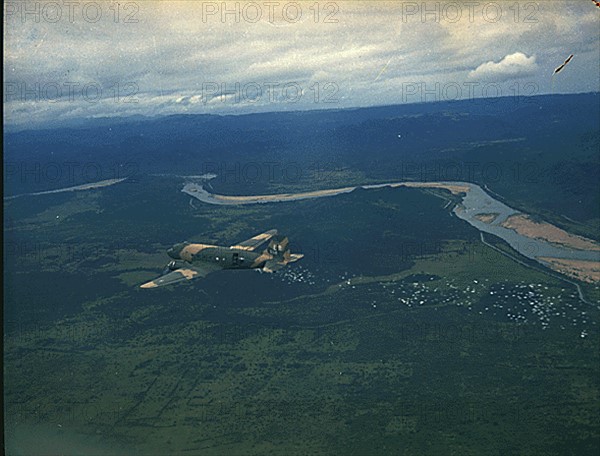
78,60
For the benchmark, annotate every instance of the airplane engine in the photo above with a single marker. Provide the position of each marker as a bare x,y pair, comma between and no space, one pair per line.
173,265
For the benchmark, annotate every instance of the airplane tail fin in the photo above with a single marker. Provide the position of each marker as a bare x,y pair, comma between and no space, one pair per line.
278,246
282,256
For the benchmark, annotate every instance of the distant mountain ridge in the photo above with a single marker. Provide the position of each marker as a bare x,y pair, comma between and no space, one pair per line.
540,154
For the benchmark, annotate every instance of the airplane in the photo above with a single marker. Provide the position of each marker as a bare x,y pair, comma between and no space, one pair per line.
191,261
559,69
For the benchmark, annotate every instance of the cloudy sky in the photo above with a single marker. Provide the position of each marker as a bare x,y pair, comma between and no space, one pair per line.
95,59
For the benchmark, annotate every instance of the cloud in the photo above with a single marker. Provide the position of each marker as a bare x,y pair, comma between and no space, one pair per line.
165,58
512,66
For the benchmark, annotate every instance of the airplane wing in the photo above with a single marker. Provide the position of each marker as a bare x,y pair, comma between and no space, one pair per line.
178,275
254,242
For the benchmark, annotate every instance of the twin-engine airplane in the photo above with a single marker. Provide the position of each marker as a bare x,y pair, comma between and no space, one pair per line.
191,261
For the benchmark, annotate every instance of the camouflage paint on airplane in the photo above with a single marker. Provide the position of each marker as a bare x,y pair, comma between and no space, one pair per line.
191,261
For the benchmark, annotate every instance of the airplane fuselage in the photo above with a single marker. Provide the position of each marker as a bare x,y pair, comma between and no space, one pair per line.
223,257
